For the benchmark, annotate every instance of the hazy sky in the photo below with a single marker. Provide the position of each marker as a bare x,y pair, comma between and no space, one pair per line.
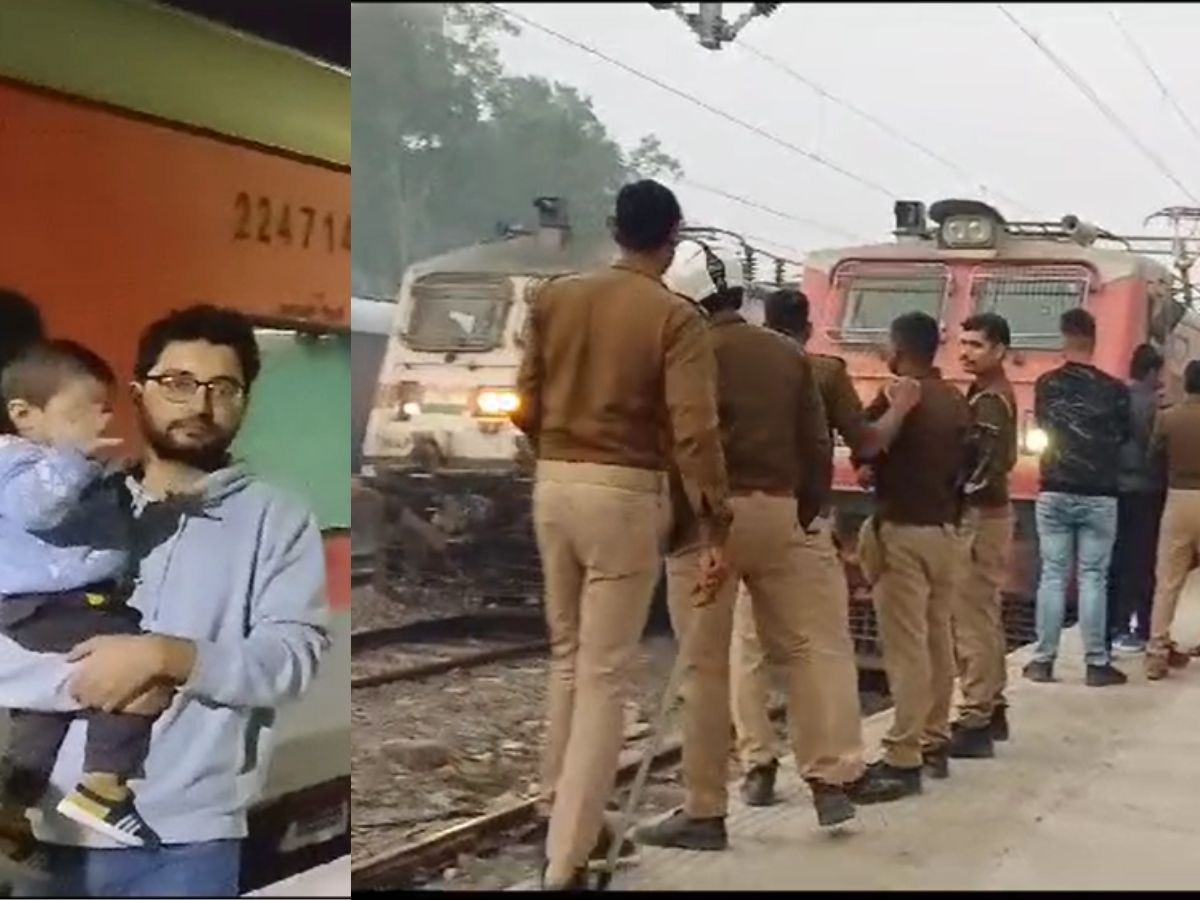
960,79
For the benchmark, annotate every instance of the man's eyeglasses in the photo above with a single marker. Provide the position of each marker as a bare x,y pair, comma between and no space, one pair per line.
182,387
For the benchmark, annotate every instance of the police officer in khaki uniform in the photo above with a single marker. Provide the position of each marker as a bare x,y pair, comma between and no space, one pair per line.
614,363
918,484
825,602
1177,431
987,531
774,436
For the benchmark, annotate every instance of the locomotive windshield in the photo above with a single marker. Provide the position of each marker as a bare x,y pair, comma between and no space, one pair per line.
1031,300
458,312
875,298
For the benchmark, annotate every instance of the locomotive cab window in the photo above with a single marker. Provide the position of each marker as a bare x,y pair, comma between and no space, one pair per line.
1032,300
458,312
875,297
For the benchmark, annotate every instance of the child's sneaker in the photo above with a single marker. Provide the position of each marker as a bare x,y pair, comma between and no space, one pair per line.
110,812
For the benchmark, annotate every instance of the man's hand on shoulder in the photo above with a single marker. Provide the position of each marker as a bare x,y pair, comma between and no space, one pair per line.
903,394
112,671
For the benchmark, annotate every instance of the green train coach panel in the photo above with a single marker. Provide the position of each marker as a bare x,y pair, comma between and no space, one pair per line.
297,432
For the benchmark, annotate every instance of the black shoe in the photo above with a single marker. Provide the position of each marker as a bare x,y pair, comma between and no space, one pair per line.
877,787
832,804
758,787
1000,723
684,833
909,779
1039,671
936,764
971,743
1105,676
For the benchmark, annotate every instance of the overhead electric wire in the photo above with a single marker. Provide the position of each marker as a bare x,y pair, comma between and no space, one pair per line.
696,101
1098,102
1144,59
883,126
753,204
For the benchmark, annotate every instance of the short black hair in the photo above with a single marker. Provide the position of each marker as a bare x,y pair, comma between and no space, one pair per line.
728,300
992,326
1191,377
1078,323
786,310
917,334
41,370
647,213
218,326
20,324
1145,361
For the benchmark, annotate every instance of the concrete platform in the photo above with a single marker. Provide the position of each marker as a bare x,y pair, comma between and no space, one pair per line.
1099,789
329,880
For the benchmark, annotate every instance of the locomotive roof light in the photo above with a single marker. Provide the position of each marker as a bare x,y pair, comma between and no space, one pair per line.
966,224
967,232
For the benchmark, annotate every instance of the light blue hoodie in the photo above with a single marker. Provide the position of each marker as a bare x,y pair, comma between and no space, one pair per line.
62,527
239,570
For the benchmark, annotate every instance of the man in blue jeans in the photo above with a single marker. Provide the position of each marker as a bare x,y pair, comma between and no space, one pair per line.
1085,415
231,588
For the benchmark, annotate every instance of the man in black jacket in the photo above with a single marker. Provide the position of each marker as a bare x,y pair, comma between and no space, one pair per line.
1085,415
1143,486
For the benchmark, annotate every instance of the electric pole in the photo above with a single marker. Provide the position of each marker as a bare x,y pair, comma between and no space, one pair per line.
710,26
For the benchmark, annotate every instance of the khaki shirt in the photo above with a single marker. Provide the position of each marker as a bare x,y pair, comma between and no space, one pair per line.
773,428
618,370
1177,430
995,408
843,413
917,481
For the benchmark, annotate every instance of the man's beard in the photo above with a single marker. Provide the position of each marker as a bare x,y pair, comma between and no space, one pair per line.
208,456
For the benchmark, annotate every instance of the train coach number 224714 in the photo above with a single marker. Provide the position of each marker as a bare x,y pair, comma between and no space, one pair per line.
270,221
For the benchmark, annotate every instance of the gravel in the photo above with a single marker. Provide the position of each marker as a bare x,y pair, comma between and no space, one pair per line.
373,609
490,720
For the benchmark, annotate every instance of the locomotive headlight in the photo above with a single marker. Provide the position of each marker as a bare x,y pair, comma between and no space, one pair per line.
496,402
1036,441
963,232
412,409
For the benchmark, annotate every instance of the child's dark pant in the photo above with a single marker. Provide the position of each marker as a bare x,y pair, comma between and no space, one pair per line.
116,743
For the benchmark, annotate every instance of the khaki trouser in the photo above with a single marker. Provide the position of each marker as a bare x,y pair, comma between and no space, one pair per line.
600,531
980,646
825,608
763,549
913,599
1178,544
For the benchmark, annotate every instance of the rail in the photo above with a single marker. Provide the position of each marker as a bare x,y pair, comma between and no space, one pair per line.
403,865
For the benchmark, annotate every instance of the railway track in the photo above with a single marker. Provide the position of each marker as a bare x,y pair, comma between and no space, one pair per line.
435,646
407,865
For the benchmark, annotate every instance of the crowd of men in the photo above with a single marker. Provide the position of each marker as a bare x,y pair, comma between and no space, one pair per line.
664,422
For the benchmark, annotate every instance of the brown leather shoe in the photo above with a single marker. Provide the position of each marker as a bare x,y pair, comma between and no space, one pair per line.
1158,666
